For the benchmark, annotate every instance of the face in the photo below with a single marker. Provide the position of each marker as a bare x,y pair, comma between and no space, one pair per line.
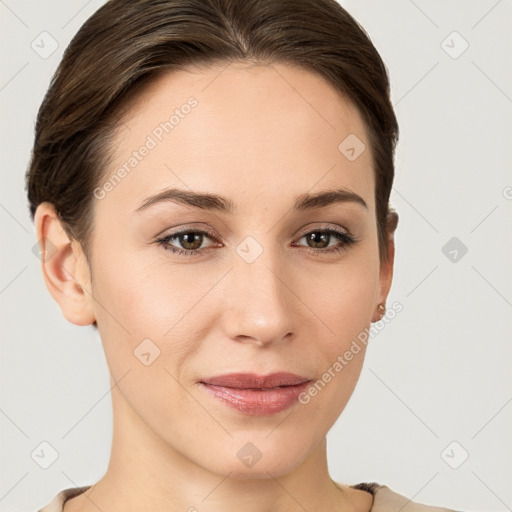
246,282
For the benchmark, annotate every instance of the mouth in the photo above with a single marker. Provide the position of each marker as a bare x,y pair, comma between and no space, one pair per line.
256,395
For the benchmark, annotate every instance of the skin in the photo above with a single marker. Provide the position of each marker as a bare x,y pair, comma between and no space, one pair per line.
260,142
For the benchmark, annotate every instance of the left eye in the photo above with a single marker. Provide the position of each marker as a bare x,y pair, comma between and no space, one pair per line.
319,237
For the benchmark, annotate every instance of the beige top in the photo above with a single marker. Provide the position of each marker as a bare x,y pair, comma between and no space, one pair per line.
384,500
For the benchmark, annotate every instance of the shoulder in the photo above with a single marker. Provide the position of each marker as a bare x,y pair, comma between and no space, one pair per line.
57,503
387,500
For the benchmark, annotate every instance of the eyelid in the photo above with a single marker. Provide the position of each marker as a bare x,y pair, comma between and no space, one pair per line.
324,226
187,228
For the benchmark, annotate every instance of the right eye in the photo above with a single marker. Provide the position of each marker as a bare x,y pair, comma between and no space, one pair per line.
190,240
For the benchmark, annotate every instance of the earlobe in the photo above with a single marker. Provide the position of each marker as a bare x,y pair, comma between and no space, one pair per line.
65,268
386,267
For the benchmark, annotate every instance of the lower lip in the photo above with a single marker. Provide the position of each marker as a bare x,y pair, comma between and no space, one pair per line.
257,402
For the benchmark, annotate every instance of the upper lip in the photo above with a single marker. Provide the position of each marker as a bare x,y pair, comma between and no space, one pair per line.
253,381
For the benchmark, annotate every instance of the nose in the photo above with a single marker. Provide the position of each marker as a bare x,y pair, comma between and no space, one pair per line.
259,301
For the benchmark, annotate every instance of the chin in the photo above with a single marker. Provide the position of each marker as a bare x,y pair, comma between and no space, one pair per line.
255,460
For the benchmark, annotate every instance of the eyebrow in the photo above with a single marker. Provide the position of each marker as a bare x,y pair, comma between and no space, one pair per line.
218,203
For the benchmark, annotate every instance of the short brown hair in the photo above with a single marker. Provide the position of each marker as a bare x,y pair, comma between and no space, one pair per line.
126,43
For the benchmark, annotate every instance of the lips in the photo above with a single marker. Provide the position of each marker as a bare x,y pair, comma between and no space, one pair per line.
253,381
256,395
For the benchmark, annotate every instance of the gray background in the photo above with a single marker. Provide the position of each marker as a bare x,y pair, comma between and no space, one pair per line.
438,373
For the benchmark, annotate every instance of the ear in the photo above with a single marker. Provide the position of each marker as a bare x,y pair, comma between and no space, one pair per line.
386,266
65,268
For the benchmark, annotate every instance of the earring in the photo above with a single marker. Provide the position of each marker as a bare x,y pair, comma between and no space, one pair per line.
382,309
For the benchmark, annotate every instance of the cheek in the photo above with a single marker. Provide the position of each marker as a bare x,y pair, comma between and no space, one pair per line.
148,330
343,302
342,295
158,302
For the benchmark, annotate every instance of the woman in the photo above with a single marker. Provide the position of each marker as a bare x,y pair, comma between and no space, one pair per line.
210,183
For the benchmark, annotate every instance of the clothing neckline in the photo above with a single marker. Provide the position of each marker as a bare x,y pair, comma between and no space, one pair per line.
57,504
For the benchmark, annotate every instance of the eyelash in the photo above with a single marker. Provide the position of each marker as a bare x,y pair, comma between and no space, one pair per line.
347,240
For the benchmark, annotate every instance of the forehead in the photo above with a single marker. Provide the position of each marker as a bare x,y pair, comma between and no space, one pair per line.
238,130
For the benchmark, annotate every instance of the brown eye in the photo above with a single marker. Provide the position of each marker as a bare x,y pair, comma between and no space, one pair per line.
191,240
318,240
186,242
